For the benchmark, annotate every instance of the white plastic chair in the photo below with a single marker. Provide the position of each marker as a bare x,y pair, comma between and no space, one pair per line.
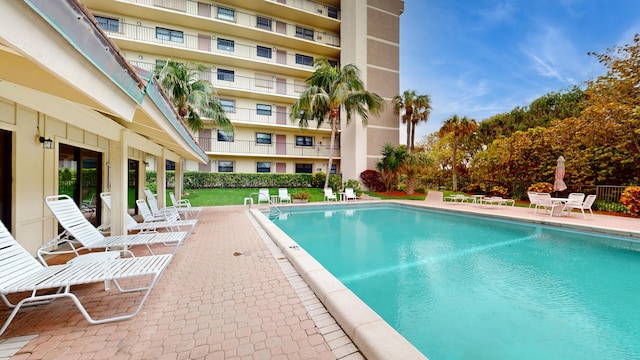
157,212
184,204
283,195
586,205
22,273
349,194
545,202
329,195
533,199
263,195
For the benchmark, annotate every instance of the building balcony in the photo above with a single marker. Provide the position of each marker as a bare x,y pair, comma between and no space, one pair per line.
275,149
279,118
263,87
208,49
223,19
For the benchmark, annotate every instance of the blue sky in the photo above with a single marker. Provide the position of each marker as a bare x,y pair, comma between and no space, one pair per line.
478,58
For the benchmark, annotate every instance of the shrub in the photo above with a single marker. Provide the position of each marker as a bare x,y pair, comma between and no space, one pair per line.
318,179
420,190
372,180
498,190
301,194
631,199
476,188
541,187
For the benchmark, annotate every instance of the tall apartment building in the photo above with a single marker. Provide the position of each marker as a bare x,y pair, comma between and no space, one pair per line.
257,54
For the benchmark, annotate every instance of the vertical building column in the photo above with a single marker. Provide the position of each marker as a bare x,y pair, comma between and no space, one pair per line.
179,178
118,170
161,179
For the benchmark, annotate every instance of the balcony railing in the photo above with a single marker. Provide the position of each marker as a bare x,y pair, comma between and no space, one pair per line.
251,20
247,147
259,84
208,44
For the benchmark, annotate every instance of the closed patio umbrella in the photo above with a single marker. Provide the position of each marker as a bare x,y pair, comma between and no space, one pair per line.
558,184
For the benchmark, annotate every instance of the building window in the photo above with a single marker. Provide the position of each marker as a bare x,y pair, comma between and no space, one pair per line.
304,141
304,33
226,136
225,166
226,14
169,35
262,138
108,24
263,23
226,75
263,109
333,63
332,13
264,52
304,168
224,44
334,168
229,106
263,167
304,59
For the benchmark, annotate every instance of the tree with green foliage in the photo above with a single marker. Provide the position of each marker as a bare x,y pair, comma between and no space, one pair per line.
391,164
194,99
460,128
330,89
414,109
413,165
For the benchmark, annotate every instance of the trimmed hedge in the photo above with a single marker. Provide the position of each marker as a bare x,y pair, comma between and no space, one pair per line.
209,180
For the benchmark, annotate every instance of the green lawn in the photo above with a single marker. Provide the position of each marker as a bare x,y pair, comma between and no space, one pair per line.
218,197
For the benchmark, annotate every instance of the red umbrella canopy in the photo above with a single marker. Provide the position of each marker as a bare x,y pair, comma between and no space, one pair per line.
558,184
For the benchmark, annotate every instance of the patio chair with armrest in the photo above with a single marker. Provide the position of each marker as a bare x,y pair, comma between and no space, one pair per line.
184,204
349,194
171,220
22,273
545,203
533,199
185,213
329,195
586,205
170,224
79,230
283,195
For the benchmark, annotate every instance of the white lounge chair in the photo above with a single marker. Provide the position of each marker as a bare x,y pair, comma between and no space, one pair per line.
586,205
545,202
171,220
79,229
22,273
283,195
185,213
533,199
329,195
349,194
184,204
263,196
149,226
575,199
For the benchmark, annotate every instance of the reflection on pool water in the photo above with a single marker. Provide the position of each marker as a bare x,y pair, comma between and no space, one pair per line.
465,287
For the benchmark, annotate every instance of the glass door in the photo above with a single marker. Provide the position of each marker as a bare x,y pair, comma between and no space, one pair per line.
80,177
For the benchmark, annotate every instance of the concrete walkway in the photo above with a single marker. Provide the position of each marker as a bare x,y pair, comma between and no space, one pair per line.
227,294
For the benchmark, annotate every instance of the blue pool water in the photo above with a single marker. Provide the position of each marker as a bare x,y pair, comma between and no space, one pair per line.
464,287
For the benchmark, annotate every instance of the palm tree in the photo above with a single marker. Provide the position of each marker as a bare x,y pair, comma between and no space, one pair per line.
416,108
460,128
391,164
414,164
193,98
328,90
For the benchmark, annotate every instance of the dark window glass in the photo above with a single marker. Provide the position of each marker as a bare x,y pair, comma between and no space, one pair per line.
263,109
262,138
224,44
169,35
304,60
226,75
225,166
264,52
226,136
332,13
226,13
228,105
304,141
304,33
304,168
263,23
108,24
263,167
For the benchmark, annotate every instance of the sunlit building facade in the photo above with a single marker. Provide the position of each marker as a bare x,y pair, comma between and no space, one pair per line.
257,54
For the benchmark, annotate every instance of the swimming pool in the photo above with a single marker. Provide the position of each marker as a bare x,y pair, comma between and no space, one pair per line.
460,287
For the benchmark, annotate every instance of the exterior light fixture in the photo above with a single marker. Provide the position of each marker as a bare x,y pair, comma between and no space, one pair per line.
46,143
